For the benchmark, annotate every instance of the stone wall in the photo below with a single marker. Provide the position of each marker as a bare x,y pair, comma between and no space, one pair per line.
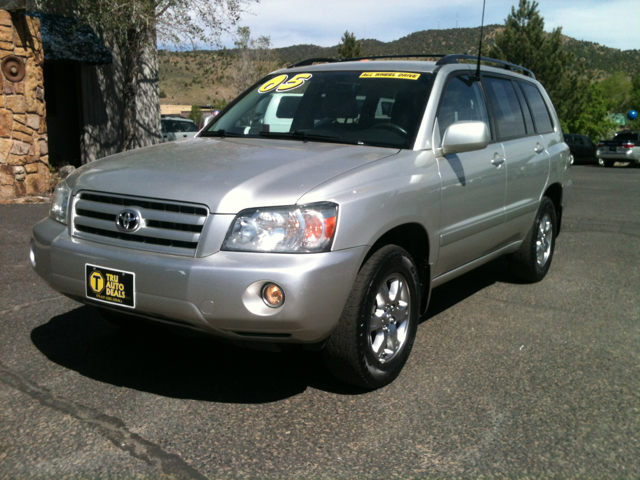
24,161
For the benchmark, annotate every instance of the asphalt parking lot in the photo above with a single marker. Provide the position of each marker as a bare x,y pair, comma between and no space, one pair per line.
505,379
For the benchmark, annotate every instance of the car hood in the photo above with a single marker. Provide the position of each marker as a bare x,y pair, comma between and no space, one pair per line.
228,174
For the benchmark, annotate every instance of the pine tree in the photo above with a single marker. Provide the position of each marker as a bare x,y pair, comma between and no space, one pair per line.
524,42
349,48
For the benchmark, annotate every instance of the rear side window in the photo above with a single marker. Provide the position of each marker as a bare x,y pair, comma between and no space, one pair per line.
188,127
508,114
528,119
541,116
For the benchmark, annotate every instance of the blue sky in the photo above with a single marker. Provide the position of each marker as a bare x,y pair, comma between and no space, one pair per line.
612,23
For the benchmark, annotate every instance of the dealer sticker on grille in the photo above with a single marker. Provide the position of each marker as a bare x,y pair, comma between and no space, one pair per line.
110,286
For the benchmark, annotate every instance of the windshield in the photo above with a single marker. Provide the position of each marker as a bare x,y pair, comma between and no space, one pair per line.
627,136
364,108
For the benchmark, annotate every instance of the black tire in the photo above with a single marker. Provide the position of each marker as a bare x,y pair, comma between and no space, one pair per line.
532,261
371,354
606,163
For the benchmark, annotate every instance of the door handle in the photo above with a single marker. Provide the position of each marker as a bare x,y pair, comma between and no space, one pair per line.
539,148
497,160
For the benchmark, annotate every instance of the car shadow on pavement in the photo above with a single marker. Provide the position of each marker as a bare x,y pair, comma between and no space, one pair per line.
163,362
458,289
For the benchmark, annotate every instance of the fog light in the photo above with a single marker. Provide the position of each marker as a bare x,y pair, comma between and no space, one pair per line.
272,295
32,253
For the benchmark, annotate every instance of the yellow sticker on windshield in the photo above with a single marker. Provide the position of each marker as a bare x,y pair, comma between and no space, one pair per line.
281,84
405,75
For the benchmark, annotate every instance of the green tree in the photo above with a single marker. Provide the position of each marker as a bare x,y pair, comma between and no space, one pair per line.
591,117
350,47
616,92
524,42
132,25
195,114
634,103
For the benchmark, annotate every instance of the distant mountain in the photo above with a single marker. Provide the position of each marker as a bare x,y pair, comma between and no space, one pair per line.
465,40
204,77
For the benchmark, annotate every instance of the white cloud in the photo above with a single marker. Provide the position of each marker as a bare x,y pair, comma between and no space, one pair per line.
612,23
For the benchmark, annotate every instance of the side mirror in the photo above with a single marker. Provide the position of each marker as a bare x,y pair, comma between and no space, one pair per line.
465,136
204,121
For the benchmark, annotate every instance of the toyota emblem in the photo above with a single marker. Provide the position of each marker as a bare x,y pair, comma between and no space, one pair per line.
128,221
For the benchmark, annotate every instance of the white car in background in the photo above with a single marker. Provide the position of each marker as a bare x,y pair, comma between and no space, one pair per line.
275,113
177,128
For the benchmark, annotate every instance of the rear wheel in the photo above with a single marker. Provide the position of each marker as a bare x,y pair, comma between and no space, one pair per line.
605,163
532,261
374,336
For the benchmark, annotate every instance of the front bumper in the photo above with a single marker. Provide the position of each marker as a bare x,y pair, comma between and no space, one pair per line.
217,294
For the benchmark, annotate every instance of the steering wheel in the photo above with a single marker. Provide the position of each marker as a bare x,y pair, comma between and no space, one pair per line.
392,127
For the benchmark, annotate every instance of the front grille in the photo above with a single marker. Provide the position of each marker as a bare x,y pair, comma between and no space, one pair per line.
165,226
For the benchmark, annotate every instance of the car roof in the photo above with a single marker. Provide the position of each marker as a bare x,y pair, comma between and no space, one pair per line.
180,119
397,62
414,66
395,65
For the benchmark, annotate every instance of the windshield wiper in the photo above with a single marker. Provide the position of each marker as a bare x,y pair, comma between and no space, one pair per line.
220,133
300,135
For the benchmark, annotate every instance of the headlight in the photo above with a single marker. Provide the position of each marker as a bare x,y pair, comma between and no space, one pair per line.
60,203
294,229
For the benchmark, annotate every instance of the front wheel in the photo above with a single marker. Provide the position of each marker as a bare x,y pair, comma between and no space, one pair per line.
374,336
532,260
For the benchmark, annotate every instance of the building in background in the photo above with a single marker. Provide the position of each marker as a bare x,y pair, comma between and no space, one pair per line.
24,160
73,83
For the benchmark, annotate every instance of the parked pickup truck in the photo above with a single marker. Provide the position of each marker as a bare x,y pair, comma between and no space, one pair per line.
623,147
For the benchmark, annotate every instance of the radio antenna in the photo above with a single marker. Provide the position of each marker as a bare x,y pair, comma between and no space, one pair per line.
480,46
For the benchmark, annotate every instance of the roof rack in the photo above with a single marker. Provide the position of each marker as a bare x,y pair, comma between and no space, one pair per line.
506,65
445,59
310,61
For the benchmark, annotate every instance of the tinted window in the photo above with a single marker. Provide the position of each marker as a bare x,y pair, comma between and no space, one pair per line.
169,126
528,119
506,107
288,106
188,127
461,100
627,136
539,109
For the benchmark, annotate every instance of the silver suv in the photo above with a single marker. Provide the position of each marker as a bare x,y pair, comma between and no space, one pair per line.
392,177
